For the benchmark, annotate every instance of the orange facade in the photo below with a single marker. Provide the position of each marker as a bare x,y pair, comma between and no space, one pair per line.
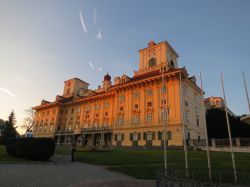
130,112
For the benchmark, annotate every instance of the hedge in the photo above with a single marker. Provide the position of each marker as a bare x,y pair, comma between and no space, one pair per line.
31,148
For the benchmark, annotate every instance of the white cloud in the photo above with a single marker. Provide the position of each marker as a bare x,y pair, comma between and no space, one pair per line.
82,22
7,91
100,69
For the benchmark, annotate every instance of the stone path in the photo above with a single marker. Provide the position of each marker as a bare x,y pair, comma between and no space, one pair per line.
63,173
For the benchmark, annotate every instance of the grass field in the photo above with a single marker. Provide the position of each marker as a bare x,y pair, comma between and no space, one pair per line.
143,163
5,158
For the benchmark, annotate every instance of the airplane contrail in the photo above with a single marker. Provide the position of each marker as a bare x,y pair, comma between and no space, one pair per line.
99,35
7,91
82,22
95,16
91,65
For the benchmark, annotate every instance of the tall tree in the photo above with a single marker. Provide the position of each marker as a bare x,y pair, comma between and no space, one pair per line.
28,122
10,126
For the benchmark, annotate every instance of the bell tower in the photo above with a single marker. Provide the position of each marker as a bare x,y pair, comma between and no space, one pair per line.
156,56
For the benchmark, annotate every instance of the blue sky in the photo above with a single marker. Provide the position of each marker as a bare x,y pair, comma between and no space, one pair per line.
42,43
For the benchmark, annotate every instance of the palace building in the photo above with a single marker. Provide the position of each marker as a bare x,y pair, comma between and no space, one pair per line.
130,111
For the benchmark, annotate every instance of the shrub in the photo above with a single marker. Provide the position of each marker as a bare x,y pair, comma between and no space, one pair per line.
31,148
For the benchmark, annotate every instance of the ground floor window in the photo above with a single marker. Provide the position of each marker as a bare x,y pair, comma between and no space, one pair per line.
119,137
149,136
135,136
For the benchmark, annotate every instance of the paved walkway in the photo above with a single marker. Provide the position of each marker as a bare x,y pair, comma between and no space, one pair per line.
64,173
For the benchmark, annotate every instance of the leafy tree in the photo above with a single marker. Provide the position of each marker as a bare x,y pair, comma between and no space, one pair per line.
10,126
217,125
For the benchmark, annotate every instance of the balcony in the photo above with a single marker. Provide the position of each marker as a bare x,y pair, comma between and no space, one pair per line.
97,129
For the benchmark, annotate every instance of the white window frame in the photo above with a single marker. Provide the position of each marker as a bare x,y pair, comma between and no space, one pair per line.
149,117
119,137
149,136
149,92
120,120
135,136
135,119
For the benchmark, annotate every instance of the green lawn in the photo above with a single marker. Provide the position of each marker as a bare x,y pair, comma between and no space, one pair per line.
5,158
144,163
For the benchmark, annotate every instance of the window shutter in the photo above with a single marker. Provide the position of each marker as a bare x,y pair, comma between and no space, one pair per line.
139,136
153,135
144,135
159,135
169,135
122,136
131,136
115,137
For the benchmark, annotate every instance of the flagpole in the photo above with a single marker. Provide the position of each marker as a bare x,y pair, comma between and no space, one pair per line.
183,127
207,146
243,74
229,130
164,124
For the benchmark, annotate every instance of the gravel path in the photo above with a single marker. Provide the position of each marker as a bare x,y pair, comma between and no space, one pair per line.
64,173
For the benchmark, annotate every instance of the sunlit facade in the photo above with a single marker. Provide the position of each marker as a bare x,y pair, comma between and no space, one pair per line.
130,111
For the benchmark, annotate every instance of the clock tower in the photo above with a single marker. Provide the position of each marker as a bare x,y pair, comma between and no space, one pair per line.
156,56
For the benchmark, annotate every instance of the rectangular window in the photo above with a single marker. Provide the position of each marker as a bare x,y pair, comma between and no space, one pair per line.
72,110
186,117
169,135
106,104
149,117
136,106
121,98
119,137
96,125
135,136
164,115
163,102
149,136
121,108
135,95
120,120
197,122
149,92
97,106
164,89
149,104
135,119
88,108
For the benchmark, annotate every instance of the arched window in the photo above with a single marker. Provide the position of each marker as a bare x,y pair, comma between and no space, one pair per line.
152,62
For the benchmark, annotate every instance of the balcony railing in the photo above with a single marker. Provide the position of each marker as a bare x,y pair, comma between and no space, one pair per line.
103,128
